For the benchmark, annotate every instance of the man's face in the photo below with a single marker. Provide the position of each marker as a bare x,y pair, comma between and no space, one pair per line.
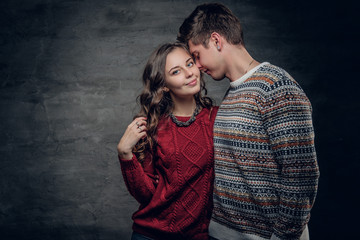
208,59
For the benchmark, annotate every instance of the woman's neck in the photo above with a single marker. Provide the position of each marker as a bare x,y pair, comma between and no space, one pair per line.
184,108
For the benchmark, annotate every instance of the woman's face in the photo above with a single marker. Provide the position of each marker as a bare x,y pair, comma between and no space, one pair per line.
182,77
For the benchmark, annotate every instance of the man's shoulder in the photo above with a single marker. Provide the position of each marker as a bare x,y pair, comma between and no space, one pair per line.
269,74
270,77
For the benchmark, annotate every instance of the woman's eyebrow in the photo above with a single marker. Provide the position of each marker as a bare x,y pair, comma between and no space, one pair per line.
189,59
173,68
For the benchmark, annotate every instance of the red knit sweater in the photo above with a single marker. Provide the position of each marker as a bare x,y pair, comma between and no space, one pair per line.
175,189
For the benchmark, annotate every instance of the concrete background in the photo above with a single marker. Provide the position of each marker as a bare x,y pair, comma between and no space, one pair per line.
70,73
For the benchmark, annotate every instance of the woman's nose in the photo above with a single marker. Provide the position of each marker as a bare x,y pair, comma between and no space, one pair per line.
188,73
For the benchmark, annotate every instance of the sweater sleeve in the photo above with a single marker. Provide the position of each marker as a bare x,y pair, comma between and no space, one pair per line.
140,179
288,121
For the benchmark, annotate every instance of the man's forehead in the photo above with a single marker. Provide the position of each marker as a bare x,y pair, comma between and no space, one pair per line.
192,47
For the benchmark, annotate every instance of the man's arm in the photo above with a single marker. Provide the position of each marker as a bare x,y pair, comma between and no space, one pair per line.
288,121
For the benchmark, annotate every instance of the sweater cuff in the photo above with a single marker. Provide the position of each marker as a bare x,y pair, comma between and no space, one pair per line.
304,235
273,237
129,164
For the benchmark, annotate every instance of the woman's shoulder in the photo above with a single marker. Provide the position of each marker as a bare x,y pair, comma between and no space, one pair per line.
163,120
213,113
209,113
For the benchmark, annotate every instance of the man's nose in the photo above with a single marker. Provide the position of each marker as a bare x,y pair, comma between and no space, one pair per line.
197,63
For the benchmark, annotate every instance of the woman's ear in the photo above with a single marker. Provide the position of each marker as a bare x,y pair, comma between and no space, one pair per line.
165,89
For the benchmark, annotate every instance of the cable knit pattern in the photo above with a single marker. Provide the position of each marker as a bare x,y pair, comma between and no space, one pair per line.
179,205
266,173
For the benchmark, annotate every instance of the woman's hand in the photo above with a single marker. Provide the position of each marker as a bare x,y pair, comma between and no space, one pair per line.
134,132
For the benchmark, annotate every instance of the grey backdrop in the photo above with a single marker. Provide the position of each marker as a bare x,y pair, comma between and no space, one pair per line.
70,73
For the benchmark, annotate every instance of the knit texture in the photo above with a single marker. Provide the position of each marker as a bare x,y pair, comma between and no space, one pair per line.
266,173
179,205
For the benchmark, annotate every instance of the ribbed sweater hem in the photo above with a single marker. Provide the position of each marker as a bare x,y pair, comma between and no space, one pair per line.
222,232
166,236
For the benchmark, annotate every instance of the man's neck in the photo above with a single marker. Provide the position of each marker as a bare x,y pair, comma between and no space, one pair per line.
238,62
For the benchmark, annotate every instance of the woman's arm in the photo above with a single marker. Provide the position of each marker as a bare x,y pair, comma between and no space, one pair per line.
140,179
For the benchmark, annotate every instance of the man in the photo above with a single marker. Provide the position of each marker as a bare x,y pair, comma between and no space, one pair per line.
266,173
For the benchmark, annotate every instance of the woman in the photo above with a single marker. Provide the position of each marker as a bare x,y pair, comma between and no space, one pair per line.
166,154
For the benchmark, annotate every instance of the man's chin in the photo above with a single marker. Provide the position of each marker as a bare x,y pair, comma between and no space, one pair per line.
217,78
213,76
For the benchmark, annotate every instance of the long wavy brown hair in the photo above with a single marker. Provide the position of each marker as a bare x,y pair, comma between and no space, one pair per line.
156,103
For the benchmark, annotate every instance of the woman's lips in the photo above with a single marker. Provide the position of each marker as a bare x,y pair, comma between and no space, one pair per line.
192,83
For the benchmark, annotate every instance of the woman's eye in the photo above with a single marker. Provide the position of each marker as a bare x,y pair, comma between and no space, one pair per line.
175,72
190,64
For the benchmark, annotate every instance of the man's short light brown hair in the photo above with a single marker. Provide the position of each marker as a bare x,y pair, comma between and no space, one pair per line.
208,18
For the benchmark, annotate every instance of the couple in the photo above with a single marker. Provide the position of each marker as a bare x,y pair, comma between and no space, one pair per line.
244,170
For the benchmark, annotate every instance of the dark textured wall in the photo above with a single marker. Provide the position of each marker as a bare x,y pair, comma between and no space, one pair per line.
70,72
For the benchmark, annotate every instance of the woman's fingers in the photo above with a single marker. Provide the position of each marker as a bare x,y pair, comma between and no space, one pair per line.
138,122
141,128
135,131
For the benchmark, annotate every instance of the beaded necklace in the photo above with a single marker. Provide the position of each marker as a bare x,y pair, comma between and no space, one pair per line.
188,122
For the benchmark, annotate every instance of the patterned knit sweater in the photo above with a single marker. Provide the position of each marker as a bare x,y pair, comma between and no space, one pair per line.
175,189
266,173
